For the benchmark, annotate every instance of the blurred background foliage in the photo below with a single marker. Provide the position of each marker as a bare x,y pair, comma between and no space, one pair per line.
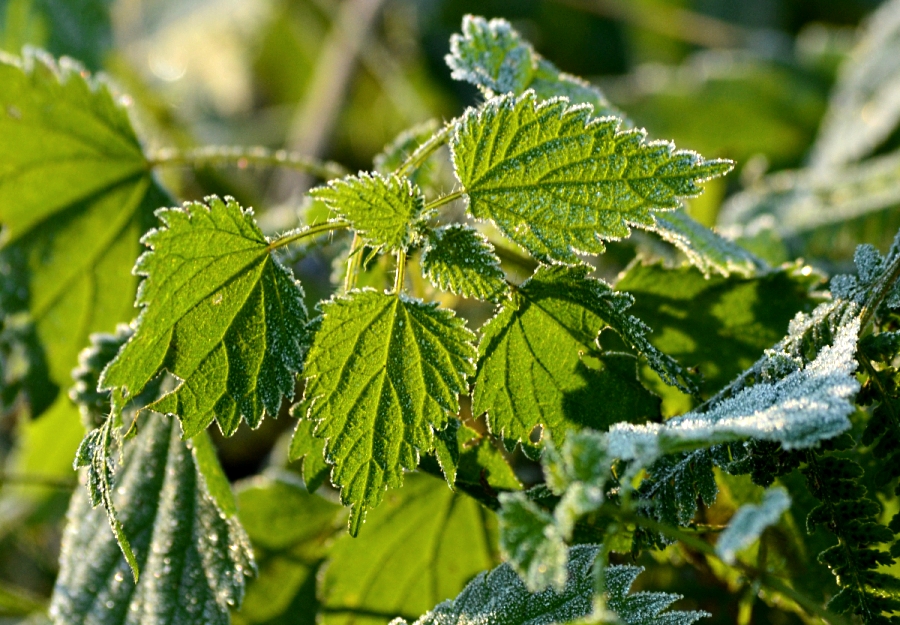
750,81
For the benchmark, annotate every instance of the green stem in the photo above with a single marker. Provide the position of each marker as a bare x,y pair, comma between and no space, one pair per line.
354,262
421,154
244,156
401,271
311,231
444,199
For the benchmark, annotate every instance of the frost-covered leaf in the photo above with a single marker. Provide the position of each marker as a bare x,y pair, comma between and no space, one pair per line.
540,364
220,314
719,325
642,608
493,56
871,268
458,259
418,549
865,105
556,180
823,212
75,196
402,147
500,598
383,373
796,404
532,543
749,521
707,251
193,554
381,208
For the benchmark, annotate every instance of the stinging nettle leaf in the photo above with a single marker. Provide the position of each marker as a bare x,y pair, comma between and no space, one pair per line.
540,364
219,313
459,259
642,608
381,208
557,181
384,371
76,193
193,553
749,521
499,597
493,56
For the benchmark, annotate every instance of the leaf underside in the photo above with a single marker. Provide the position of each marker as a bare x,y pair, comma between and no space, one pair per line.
556,180
384,371
193,554
220,314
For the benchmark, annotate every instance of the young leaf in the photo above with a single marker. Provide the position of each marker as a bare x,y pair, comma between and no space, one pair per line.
384,371
749,521
381,208
642,608
500,598
493,56
418,549
532,543
193,554
539,362
706,250
76,194
458,259
557,181
213,289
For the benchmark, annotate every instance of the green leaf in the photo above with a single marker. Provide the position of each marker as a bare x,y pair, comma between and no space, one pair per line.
493,56
194,556
481,461
220,314
720,326
642,608
704,249
557,181
500,598
419,548
382,209
383,373
540,363
532,544
865,104
749,521
79,29
311,452
460,260
290,531
75,196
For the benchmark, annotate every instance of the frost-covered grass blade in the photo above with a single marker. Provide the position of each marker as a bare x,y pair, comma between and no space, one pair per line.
558,181
219,313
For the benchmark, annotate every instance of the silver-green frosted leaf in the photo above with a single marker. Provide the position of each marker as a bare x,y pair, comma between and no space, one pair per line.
532,543
705,249
749,521
642,608
460,260
384,371
382,208
865,103
417,549
499,597
194,556
540,363
76,194
219,313
491,55
558,181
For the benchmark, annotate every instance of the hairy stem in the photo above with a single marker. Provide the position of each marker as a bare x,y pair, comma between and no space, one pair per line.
444,199
401,272
354,262
303,233
425,150
244,156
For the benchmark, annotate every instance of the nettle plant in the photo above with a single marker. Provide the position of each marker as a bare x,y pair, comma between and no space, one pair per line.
567,370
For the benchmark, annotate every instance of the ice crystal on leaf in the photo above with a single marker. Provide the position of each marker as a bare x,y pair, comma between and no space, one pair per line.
557,181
